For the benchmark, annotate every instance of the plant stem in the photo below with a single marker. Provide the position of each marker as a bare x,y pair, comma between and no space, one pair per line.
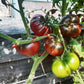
18,42
13,7
62,39
32,73
7,37
81,80
23,18
29,41
56,26
63,10
36,63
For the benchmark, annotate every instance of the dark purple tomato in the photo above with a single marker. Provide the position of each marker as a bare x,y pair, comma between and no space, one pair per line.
27,49
52,47
69,26
39,27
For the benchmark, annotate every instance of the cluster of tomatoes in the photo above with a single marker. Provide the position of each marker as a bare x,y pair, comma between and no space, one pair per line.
63,68
69,26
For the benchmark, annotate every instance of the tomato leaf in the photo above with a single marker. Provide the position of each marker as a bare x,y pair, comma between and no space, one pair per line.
4,2
82,63
76,79
77,47
55,1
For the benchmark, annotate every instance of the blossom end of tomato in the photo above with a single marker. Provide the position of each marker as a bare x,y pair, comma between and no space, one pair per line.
14,46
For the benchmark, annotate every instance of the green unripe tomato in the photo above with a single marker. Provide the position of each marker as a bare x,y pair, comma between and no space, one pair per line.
72,60
60,69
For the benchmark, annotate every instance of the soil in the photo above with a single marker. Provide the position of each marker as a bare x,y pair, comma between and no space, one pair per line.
69,81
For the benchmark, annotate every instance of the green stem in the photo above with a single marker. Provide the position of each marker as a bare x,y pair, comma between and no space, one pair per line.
18,42
7,37
56,26
13,7
32,73
81,80
62,39
63,11
23,18
29,41
36,63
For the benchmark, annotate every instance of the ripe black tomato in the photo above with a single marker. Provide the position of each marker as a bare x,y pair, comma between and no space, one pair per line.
69,26
39,27
52,47
27,49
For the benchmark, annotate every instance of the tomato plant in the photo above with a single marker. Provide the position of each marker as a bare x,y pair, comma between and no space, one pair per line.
53,47
39,27
69,25
53,29
72,60
60,69
27,49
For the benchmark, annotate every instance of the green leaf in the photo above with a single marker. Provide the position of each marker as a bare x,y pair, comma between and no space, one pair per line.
67,4
82,63
4,2
76,79
77,47
56,1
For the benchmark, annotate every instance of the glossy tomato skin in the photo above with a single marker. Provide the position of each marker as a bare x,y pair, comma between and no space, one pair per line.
60,69
27,49
69,26
71,31
71,18
52,47
72,60
39,27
